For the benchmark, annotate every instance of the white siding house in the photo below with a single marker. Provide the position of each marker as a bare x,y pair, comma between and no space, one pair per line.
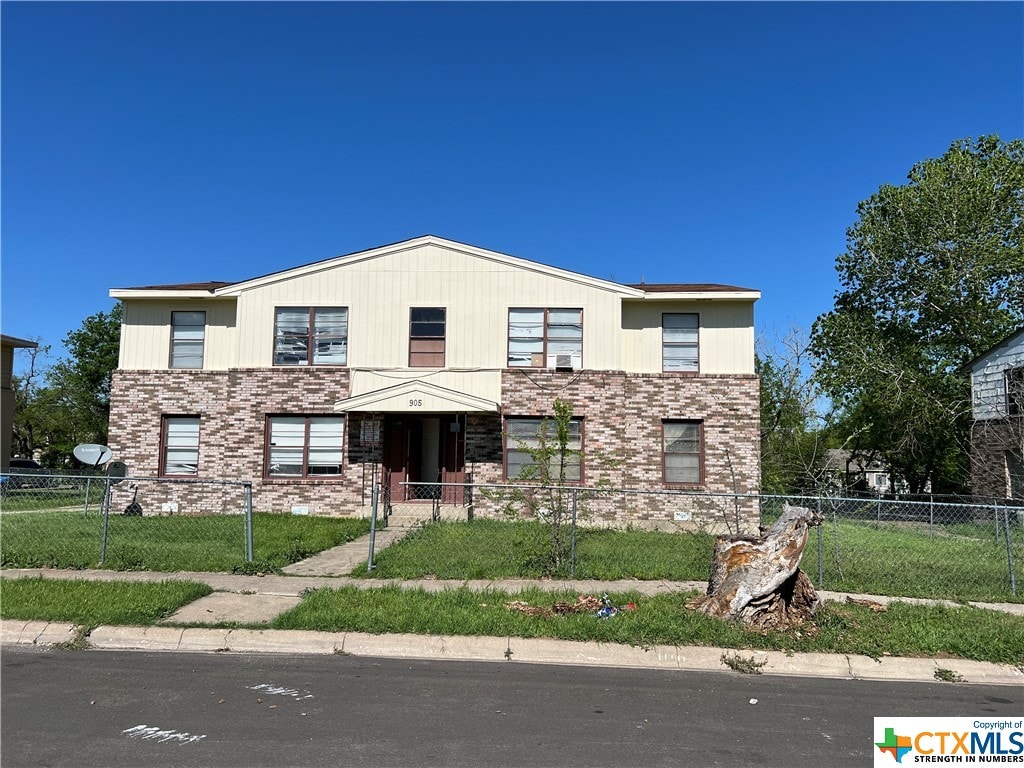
997,434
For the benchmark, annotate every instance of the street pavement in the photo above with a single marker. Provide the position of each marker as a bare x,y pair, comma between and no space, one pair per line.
257,600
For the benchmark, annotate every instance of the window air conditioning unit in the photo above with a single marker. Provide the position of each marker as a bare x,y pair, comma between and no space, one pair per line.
563,362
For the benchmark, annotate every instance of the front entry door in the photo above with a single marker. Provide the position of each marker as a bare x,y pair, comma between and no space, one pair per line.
424,449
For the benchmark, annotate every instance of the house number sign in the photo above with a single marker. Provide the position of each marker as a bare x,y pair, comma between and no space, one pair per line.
415,402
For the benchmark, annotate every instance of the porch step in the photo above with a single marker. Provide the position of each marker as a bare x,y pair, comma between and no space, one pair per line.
409,514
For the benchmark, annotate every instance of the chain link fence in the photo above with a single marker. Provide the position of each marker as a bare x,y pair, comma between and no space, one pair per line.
953,550
132,523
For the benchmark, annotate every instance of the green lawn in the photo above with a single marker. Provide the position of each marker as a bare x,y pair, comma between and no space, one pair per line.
961,562
176,543
95,602
903,630
494,549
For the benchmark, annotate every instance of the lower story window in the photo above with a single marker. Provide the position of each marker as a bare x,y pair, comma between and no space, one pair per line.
179,454
529,441
305,446
683,451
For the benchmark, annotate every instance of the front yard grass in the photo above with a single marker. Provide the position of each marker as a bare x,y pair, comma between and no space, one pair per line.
902,630
856,556
95,602
173,543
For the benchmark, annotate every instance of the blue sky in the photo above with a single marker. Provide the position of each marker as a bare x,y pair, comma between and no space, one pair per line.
722,142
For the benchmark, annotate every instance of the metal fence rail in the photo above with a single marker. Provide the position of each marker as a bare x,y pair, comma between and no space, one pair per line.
134,523
950,550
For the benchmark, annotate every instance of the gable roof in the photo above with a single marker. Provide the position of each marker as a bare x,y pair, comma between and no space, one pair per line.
1009,340
216,289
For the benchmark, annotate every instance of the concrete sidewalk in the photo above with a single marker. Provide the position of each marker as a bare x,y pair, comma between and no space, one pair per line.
256,600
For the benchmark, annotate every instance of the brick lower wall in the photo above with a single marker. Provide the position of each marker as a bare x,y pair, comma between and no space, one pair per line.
622,415
991,441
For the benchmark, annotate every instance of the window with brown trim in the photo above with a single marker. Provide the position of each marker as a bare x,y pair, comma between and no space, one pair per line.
311,336
680,347
545,338
683,452
305,446
525,437
179,446
188,335
427,337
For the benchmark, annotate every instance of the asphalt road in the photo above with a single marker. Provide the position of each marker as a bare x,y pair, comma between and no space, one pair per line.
114,709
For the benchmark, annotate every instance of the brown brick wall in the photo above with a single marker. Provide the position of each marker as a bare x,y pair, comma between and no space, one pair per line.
622,416
991,440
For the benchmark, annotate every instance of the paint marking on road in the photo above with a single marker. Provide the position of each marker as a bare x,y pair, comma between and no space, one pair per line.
276,690
160,735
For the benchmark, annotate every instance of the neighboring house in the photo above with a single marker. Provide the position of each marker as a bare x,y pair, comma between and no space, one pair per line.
7,346
997,433
849,472
430,360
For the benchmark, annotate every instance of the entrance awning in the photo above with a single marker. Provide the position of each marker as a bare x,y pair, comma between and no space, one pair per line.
415,397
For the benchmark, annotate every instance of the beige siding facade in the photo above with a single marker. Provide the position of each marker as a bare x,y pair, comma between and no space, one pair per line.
726,335
146,333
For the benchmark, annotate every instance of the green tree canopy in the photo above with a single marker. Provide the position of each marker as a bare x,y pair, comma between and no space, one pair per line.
933,275
69,403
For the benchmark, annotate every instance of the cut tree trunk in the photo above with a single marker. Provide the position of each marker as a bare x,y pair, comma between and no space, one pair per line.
757,581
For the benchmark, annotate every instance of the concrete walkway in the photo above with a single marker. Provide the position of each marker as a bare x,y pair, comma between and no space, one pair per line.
255,600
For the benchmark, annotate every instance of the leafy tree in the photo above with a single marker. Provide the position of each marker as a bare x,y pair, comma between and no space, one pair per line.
932,276
794,434
67,403
81,383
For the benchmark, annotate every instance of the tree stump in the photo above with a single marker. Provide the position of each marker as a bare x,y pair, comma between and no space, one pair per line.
757,580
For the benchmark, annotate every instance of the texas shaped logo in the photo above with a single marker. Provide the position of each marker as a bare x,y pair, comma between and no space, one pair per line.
897,746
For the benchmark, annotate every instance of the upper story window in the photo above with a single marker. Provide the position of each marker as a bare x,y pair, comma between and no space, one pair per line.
427,337
1015,391
528,440
305,446
311,336
683,452
680,350
188,333
545,338
179,446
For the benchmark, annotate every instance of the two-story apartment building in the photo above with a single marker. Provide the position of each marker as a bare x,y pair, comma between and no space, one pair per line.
997,433
430,360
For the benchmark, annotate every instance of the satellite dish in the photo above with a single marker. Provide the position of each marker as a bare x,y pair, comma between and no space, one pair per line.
92,454
116,471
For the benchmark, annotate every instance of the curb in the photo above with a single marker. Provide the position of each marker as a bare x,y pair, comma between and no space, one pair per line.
504,649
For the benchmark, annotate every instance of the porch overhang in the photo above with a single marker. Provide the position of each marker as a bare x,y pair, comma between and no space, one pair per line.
415,397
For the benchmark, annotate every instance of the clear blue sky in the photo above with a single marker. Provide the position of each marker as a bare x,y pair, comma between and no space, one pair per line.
158,143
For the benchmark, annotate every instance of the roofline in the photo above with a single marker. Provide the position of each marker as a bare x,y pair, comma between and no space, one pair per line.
162,293
966,367
404,245
14,341
739,294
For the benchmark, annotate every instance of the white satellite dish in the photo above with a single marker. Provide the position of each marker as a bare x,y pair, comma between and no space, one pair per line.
92,454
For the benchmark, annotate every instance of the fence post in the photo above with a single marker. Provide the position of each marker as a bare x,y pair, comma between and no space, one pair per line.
373,525
105,507
821,552
931,516
248,523
1009,551
572,537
